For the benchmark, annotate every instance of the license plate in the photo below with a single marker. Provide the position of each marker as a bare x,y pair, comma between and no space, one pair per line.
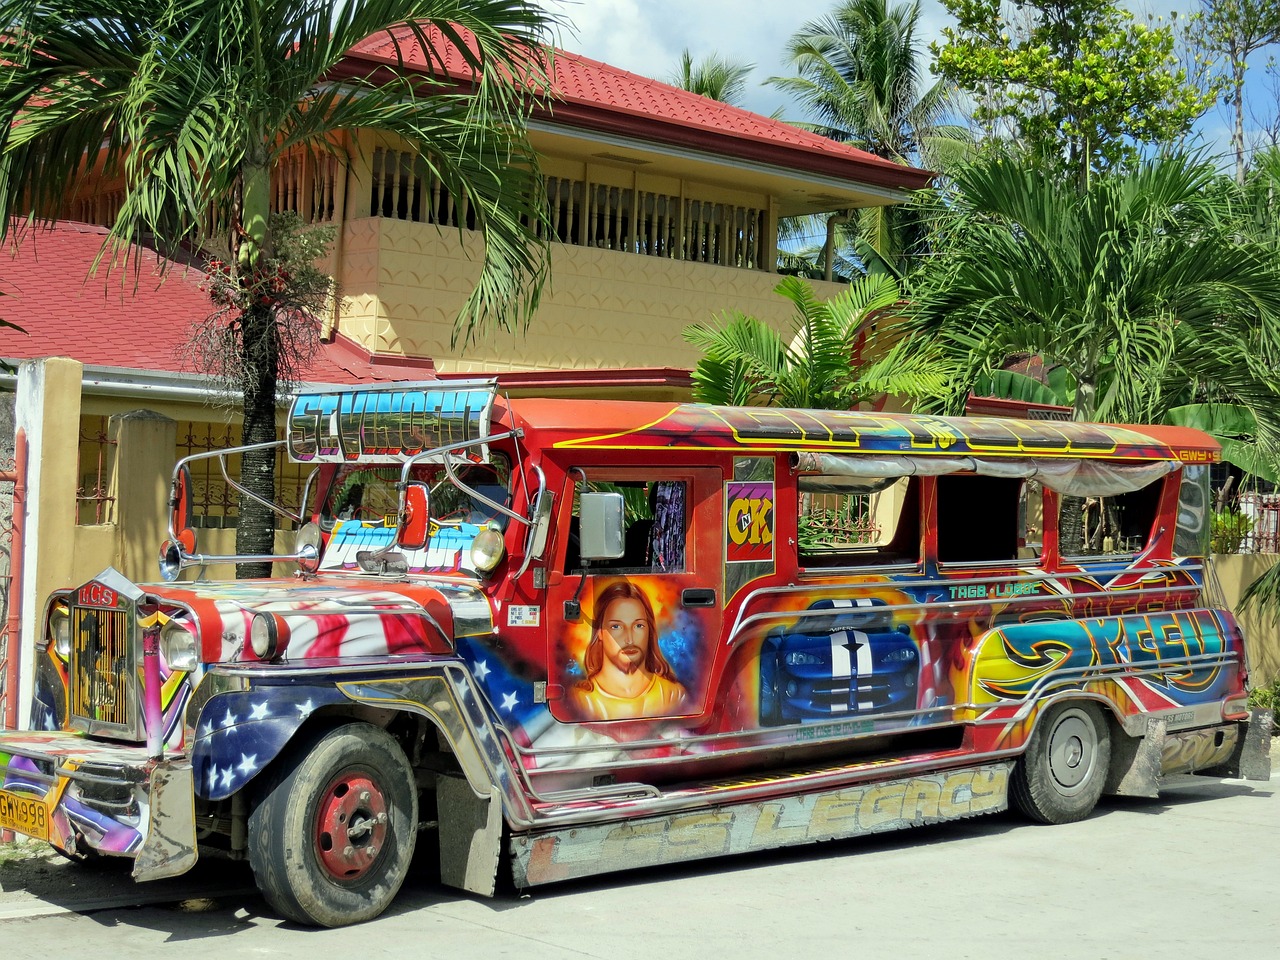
26,815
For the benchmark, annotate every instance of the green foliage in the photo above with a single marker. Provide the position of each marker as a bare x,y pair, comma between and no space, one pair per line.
287,284
1226,33
1139,285
1010,385
1081,83
1228,529
1235,427
860,76
714,76
189,104
1266,697
745,361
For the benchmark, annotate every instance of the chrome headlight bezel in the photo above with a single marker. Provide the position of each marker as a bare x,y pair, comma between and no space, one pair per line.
180,646
267,638
60,630
306,546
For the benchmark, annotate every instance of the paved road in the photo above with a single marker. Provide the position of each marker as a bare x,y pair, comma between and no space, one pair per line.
1194,874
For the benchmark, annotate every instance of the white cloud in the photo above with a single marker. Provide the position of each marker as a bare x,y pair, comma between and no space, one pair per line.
647,36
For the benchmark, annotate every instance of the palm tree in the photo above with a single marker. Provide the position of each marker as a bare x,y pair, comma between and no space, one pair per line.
190,103
715,77
746,362
1139,285
860,73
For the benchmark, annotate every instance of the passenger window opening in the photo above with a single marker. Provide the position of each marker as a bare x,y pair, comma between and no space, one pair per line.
1104,526
981,519
846,521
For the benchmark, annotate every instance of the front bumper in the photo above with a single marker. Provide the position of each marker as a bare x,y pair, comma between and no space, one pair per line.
83,795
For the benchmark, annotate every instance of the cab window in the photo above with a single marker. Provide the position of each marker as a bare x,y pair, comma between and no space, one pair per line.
655,512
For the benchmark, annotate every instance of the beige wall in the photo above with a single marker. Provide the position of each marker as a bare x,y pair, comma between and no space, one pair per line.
1262,631
405,282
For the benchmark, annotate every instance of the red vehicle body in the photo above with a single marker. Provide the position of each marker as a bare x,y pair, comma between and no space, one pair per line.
586,636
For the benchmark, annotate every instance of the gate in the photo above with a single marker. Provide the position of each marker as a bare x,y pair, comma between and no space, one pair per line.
13,472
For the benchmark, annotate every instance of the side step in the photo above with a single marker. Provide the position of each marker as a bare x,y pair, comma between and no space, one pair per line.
708,829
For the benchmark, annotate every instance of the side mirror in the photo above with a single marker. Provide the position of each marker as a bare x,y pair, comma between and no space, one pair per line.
601,528
180,510
415,517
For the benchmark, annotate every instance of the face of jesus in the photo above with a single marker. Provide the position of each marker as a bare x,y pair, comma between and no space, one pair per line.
625,632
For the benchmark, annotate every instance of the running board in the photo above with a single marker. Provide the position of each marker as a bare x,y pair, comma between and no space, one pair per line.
698,832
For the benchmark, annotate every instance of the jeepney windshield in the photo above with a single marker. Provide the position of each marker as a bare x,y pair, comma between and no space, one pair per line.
362,503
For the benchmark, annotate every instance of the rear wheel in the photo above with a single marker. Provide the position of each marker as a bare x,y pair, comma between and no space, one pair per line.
1060,777
331,842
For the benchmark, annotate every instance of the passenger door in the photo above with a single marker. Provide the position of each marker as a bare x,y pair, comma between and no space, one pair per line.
639,633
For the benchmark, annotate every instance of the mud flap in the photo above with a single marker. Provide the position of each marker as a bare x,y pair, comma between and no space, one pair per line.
470,836
170,846
1136,762
1251,759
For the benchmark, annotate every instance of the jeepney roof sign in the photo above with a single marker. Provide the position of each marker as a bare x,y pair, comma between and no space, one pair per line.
390,423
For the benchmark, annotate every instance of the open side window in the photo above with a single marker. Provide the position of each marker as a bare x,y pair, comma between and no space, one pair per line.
1105,526
980,519
845,521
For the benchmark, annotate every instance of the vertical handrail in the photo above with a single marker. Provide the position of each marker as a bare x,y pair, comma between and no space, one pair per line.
13,626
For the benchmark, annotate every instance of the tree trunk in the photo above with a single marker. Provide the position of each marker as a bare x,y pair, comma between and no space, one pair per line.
260,370
255,533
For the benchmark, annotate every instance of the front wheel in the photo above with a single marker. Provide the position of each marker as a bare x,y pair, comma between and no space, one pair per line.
331,842
1060,777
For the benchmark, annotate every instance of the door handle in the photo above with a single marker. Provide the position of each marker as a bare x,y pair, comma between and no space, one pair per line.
698,597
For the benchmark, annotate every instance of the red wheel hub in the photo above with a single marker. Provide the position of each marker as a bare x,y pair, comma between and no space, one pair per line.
351,826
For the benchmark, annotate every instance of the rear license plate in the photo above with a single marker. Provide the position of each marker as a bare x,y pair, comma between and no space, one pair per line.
26,815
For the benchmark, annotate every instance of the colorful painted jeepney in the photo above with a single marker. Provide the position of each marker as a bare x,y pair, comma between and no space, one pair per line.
586,636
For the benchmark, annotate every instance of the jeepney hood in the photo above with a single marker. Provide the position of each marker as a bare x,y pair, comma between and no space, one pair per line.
335,616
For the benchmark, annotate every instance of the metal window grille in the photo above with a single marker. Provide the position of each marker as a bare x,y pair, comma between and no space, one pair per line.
213,503
95,502
1263,535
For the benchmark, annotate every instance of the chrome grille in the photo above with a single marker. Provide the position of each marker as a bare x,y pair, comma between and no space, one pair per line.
102,668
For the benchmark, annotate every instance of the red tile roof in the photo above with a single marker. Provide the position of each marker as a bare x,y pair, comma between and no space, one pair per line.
595,95
110,320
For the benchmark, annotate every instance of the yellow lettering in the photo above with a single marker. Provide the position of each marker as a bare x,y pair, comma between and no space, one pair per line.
881,805
921,801
832,814
957,795
700,835
990,789
641,842
761,530
768,833
740,526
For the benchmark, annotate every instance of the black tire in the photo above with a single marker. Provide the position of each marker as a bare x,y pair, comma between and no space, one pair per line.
331,841
1060,777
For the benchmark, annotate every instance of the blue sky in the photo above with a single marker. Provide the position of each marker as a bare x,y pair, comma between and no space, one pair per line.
647,36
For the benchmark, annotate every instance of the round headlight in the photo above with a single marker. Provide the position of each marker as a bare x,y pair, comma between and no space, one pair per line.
60,631
306,546
486,550
268,636
178,646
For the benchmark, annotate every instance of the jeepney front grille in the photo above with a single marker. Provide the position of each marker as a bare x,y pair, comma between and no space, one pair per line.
103,678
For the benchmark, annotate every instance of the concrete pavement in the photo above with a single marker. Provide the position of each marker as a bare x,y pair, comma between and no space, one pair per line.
1193,874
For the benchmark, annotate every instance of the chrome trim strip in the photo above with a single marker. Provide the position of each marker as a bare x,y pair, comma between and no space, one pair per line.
741,623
